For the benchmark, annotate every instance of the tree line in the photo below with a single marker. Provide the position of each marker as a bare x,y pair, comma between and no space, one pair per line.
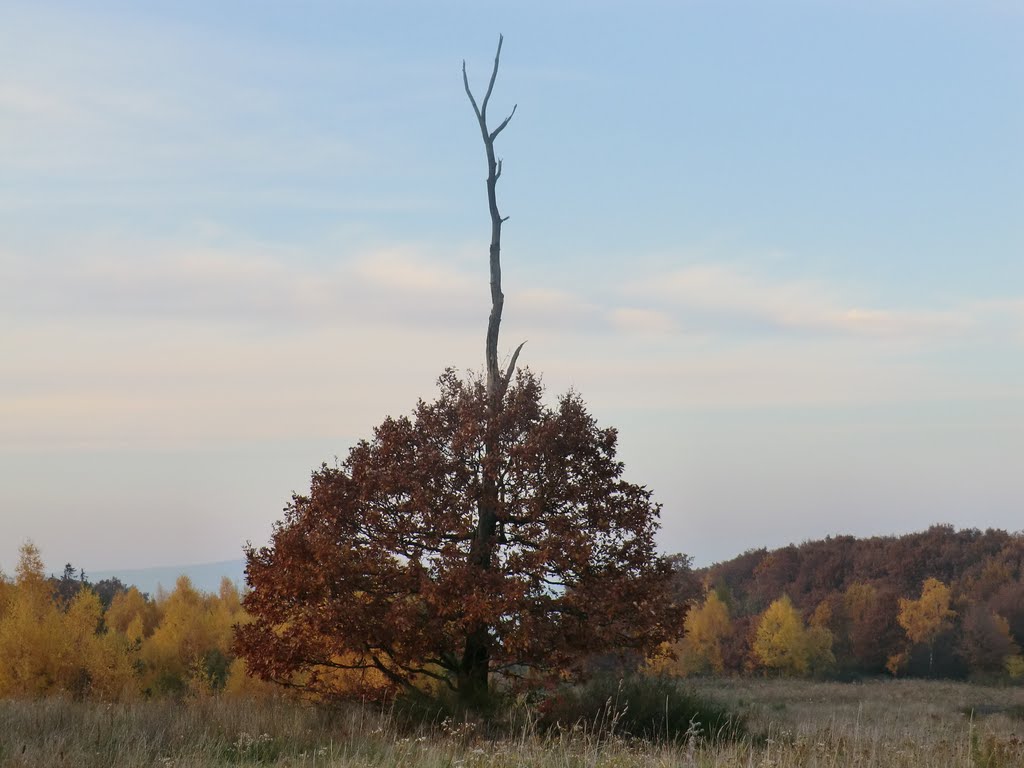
843,607
940,603
111,642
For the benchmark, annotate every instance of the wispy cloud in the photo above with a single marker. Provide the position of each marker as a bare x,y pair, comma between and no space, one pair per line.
265,286
642,321
722,296
119,341
406,272
119,98
19,101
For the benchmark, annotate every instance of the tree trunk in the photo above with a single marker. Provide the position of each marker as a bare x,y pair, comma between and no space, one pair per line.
473,678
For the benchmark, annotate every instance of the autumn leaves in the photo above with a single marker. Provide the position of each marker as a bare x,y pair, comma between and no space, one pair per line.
780,642
370,581
179,643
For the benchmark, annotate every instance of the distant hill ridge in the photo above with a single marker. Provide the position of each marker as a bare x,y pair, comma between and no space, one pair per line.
849,594
867,594
808,572
975,564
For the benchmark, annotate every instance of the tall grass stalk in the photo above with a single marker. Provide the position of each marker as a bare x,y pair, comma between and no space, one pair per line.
912,724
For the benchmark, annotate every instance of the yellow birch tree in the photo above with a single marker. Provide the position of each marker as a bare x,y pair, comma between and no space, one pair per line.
782,642
927,617
779,642
705,628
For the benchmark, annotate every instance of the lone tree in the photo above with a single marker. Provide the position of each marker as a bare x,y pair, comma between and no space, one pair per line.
487,533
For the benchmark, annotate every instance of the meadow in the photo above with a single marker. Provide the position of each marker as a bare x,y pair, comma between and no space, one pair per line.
884,723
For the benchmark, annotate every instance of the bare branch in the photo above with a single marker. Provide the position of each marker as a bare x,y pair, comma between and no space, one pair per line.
524,542
338,665
494,75
500,128
391,674
465,82
512,365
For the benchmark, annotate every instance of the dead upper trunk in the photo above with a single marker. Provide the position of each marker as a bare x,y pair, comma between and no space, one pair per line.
473,678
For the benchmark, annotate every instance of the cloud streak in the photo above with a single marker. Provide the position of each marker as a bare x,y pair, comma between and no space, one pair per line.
725,297
118,342
282,289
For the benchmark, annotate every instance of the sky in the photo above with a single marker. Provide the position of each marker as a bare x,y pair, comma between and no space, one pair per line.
777,245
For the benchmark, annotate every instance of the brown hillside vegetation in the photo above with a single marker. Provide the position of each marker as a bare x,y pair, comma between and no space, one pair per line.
941,603
938,603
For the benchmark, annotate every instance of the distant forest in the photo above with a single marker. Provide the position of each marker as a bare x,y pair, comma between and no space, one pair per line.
941,603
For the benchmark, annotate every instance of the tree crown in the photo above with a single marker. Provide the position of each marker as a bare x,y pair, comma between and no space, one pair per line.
372,570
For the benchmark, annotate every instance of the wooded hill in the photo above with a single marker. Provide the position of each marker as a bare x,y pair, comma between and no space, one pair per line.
942,602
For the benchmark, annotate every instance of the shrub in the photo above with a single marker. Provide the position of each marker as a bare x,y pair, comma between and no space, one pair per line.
1015,667
651,708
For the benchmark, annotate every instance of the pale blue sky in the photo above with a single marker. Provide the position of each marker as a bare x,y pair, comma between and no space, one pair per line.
778,245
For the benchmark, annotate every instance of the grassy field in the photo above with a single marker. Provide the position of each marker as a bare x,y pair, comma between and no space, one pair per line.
884,723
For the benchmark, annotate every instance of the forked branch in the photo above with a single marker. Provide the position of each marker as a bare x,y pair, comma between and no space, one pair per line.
496,382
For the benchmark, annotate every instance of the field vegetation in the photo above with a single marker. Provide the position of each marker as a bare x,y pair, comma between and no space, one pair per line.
101,675
789,723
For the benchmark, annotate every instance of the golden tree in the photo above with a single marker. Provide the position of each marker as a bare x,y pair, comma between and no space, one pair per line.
45,650
188,649
6,594
131,615
705,628
94,663
782,643
927,617
31,631
779,638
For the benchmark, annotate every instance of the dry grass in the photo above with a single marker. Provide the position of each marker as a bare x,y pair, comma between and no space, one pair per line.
885,723
879,723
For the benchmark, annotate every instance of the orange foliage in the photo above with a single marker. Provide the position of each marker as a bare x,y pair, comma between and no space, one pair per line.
180,645
132,615
31,632
382,564
190,649
924,619
706,628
